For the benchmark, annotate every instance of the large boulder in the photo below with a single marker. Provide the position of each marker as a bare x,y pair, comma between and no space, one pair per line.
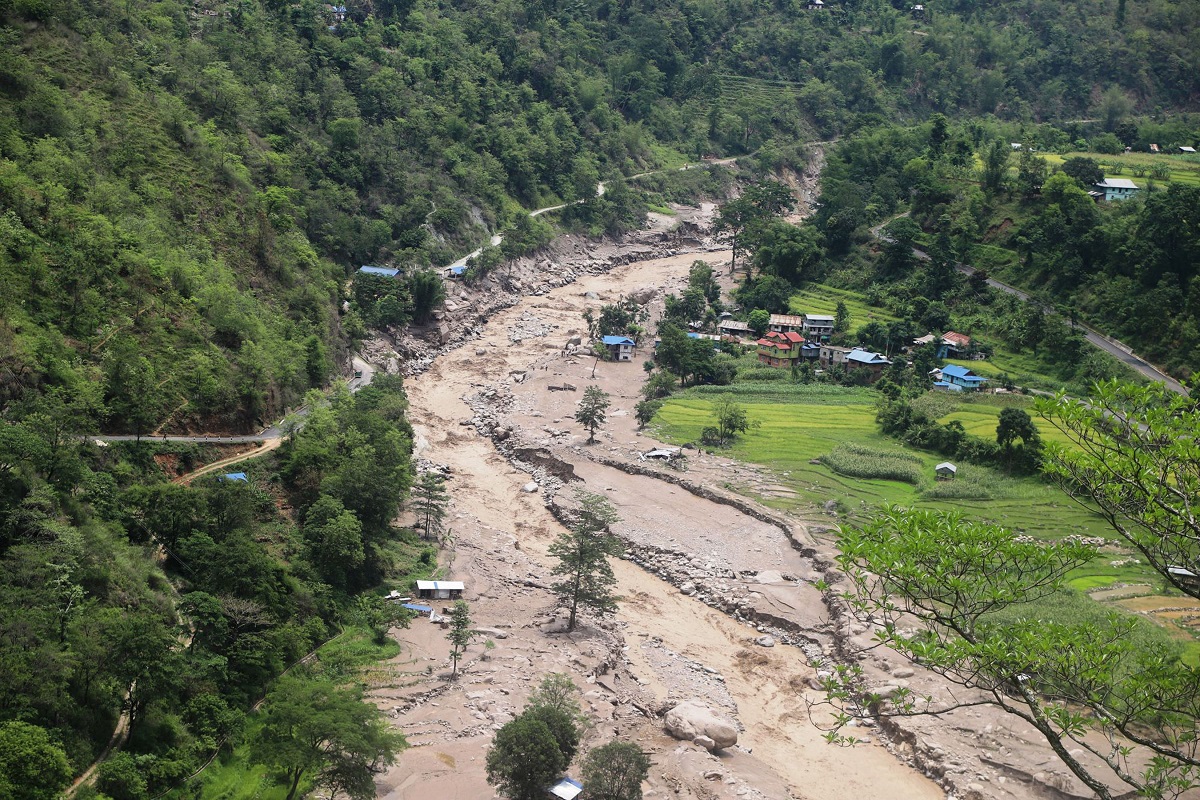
692,719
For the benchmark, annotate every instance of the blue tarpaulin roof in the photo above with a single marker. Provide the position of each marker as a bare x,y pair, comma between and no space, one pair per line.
458,270
611,340
235,476
567,789
386,272
418,608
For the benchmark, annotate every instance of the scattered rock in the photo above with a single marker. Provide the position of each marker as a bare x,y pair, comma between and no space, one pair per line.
530,487
765,641
692,718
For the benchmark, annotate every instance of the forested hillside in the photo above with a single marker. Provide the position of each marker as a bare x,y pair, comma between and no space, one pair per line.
189,185
1128,267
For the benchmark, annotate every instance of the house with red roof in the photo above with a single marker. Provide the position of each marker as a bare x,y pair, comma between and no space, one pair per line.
780,349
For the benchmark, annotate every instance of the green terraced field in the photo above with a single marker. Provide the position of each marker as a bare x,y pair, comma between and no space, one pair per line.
819,299
794,431
1184,169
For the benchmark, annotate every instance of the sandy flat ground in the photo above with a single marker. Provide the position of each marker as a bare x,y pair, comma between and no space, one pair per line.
661,640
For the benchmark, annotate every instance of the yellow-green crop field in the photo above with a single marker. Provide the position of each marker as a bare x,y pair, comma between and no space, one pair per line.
796,427
1183,169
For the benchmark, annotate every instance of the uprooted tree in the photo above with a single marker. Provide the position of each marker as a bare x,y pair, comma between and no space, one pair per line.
1096,685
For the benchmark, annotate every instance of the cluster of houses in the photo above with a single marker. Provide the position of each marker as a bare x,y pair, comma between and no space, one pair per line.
792,340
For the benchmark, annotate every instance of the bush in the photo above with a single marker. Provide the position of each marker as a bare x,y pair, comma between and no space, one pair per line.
857,461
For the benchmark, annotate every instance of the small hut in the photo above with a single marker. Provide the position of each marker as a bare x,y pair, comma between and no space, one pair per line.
440,590
945,471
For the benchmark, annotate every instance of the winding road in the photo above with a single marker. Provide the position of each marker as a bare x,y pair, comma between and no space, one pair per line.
1117,349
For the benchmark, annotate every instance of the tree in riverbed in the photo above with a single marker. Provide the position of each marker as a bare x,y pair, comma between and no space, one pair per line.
428,501
592,410
460,633
582,552
615,771
524,759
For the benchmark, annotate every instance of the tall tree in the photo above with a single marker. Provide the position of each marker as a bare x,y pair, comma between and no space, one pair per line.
312,726
428,501
1014,424
524,759
32,765
745,218
582,552
427,292
731,418
459,632
615,771
592,410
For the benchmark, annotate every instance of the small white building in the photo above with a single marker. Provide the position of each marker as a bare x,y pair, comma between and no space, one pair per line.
945,471
440,590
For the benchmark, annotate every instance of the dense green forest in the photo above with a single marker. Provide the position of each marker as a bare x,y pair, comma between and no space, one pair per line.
184,189
122,590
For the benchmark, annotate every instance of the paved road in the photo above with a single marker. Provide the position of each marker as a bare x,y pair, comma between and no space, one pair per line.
1119,350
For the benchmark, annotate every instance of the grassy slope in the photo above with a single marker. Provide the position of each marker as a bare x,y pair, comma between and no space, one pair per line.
1184,169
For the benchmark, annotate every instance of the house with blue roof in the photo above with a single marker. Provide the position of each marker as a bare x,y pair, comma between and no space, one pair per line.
961,376
383,272
235,476
620,348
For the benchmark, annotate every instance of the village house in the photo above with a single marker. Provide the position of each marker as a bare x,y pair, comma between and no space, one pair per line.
852,358
440,590
733,327
833,356
859,359
784,323
817,327
949,344
780,349
960,376
620,348
1116,189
